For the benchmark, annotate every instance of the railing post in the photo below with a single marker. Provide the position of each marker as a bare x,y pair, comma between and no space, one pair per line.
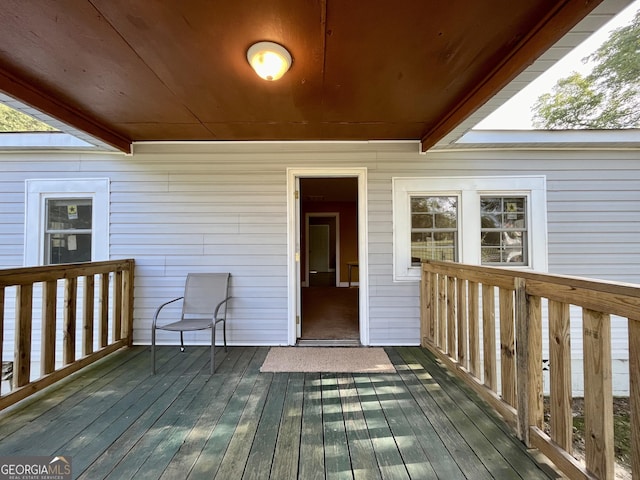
128,303
1,322
522,360
634,394
528,360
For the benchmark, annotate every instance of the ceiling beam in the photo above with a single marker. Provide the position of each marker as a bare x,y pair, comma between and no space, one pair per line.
548,31
31,96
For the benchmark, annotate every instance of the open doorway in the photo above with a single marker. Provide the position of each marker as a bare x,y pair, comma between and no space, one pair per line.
329,309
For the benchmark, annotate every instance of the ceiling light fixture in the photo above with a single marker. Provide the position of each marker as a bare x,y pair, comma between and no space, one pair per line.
270,60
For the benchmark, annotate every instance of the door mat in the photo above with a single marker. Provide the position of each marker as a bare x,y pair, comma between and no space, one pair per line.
327,359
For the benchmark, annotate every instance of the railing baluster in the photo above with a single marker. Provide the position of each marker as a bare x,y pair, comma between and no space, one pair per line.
442,311
534,376
561,422
48,344
104,310
463,331
489,336
451,317
117,306
87,315
433,299
598,393
22,354
507,347
70,306
474,329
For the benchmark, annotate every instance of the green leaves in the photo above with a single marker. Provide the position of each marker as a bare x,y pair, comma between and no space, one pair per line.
607,98
13,121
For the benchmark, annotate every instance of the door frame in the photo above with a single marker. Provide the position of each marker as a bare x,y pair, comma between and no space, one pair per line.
293,244
336,217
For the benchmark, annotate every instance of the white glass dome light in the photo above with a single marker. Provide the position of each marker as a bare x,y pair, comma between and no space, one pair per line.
270,60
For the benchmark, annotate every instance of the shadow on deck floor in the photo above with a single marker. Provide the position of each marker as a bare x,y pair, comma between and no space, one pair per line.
115,420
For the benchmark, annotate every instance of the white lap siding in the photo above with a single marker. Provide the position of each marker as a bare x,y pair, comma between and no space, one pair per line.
185,207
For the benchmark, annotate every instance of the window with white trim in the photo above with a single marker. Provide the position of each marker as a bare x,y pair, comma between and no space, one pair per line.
66,221
499,221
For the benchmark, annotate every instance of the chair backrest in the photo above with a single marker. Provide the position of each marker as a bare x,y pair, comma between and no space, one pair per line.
203,292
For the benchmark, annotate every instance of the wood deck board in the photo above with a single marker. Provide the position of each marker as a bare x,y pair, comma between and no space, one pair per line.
311,443
363,459
286,455
116,420
386,450
488,424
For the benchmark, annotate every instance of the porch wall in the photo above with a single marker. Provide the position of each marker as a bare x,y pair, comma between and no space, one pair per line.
177,208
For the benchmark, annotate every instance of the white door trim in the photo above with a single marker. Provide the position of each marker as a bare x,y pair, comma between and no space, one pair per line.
293,254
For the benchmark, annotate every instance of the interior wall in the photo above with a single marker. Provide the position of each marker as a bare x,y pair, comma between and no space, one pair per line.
348,212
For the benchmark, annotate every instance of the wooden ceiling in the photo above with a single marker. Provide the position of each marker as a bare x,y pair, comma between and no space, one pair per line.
155,70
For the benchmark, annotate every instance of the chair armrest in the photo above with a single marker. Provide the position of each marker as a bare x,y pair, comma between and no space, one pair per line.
215,313
155,315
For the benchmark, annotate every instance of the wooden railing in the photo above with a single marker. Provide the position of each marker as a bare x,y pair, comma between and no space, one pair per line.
106,321
458,324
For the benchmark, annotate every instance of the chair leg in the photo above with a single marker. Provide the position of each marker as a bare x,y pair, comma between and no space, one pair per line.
224,334
181,341
213,348
153,350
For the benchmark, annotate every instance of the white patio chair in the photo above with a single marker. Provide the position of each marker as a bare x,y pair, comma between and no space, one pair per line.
204,305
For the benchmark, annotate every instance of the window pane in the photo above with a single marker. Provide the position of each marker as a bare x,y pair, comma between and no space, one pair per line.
504,230
434,234
68,248
68,230
69,214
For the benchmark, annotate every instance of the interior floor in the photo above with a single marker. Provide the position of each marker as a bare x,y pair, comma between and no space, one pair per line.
330,313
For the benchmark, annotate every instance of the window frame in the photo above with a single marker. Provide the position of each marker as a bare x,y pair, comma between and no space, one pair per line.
458,216
38,191
469,190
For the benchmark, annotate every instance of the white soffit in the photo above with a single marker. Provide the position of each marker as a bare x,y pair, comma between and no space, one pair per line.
583,30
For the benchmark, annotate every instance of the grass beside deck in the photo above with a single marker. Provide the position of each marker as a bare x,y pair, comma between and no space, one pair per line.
116,420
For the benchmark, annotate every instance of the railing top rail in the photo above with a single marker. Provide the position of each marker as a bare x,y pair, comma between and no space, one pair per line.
28,275
603,286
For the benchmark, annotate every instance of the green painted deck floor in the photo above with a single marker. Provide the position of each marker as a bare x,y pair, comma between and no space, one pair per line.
117,421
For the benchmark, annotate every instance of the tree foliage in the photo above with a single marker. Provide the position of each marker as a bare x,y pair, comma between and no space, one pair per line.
606,98
13,121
